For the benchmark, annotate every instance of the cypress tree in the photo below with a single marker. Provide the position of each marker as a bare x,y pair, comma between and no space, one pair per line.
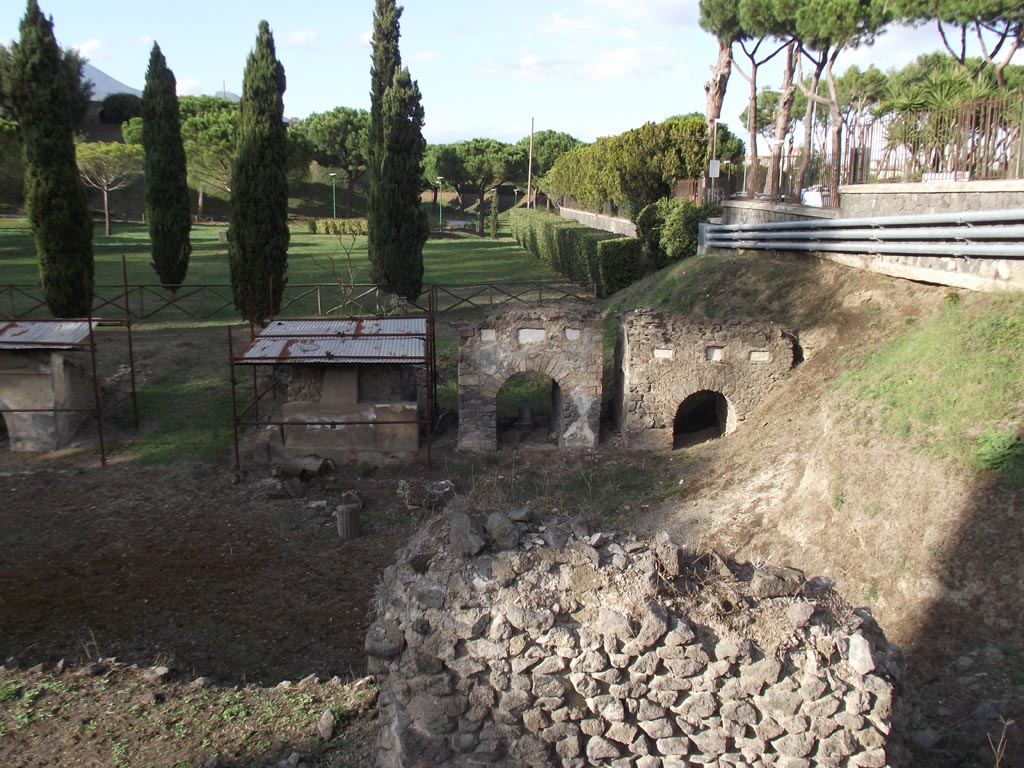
258,233
58,210
386,62
167,201
403,223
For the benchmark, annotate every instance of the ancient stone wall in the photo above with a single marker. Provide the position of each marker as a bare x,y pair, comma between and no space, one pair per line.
563,341
41,380
661,359
512,641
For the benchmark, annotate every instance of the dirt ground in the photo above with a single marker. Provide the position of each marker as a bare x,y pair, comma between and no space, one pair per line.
188,566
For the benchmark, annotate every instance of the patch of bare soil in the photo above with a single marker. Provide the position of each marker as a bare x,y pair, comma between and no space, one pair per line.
933,553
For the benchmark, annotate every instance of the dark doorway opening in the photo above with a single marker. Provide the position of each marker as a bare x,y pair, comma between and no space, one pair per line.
529,411
701,417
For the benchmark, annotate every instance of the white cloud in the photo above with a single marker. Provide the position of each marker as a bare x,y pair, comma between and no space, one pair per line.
588,27
189,86
302,38
92,49
658,12
426,57
146,41
367,37
598,65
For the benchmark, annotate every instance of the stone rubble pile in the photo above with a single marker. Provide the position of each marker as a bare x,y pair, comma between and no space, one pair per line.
511,641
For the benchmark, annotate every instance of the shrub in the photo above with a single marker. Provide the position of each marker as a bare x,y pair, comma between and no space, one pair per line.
338,226
668,229
587,256
618,262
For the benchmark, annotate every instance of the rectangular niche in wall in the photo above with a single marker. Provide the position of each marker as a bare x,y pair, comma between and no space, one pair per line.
760,356
664,354
488,334
530,335
714,354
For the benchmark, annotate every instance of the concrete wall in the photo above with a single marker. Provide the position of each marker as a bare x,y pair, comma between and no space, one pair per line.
929,197
661,359
623,227
563,341
38,379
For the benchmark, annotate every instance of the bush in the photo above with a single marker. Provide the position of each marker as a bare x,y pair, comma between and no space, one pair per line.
591,257
668,229
338,226
618,264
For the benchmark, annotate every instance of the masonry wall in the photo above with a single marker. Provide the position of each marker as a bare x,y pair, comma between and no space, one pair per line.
507,640
41,380
661,359
858,200
561,340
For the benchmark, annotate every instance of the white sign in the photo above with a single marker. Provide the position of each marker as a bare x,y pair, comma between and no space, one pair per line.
714,168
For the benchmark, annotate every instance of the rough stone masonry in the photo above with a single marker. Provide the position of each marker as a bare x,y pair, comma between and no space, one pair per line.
513,641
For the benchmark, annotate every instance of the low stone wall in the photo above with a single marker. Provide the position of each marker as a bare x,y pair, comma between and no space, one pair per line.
661,359
623,227
510,641
858,200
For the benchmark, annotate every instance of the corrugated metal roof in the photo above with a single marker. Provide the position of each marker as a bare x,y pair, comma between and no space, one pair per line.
384,340
34,334
348,327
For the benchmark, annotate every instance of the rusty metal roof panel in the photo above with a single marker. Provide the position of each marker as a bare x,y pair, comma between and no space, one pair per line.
382,326
35,334
384,340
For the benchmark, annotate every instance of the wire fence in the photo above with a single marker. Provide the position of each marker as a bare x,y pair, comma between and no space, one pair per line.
190,303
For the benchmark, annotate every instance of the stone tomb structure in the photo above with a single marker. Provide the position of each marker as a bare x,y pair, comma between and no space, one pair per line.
506,640
351,387
45,387
679,382
560,340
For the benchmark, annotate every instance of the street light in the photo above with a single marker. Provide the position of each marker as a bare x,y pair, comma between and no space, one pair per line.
334,194
439,209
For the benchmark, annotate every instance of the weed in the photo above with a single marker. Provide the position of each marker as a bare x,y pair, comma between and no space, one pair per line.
937,549
873,510
9,691
872,592
998,449
120,752
952,298
838,499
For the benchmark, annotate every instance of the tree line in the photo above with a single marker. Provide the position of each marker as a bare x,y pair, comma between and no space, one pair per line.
812,34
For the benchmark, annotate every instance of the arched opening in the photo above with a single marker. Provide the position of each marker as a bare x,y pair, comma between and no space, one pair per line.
701,417
528,410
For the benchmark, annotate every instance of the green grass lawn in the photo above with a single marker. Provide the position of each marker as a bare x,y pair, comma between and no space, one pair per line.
312,259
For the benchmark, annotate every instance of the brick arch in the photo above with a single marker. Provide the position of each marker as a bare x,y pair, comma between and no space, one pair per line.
562,341
661,359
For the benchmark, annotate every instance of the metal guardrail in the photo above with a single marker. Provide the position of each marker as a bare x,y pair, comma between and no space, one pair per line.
977,234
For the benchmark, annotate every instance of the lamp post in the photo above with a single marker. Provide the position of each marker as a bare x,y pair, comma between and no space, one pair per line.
334,194
515,193
439,209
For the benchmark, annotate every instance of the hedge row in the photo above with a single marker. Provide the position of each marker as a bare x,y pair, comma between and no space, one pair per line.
587,256
337,226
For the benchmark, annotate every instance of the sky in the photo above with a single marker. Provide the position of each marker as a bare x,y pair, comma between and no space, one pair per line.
588,67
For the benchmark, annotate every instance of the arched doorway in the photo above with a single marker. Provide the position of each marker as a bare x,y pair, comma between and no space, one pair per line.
701,417
528,410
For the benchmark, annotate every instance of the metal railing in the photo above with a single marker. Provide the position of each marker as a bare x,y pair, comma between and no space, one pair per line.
978,234
152,302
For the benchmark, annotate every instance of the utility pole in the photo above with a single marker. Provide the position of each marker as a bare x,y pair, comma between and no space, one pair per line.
529,171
